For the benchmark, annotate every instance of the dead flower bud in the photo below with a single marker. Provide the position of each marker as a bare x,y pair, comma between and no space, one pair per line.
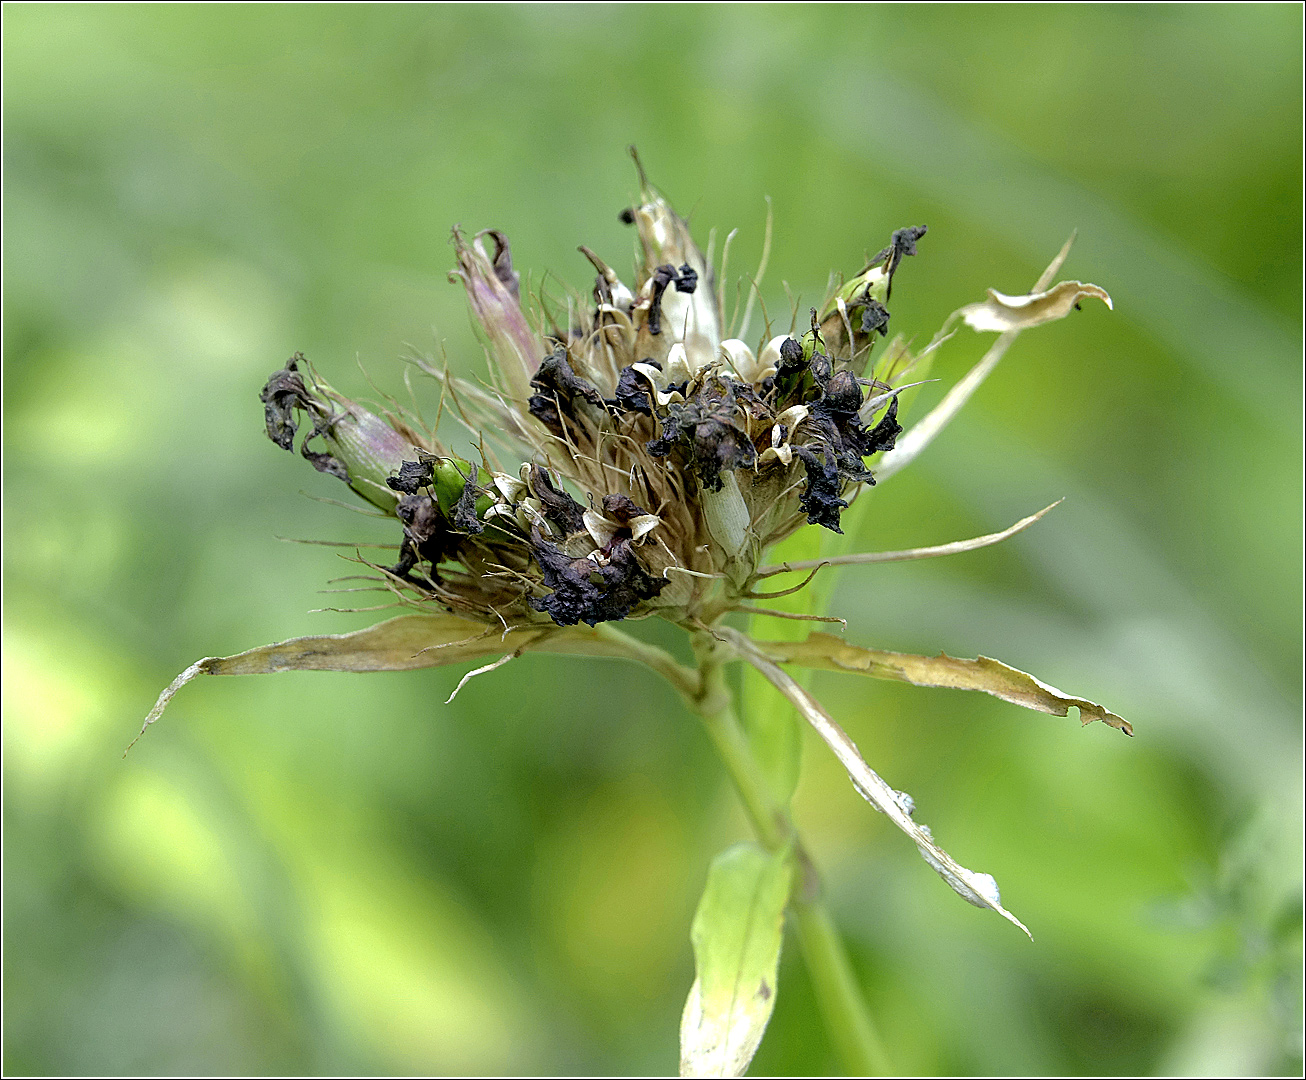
494,295
357,446
641,461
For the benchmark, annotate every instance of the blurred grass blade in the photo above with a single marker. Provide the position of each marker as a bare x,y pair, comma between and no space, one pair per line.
737,934
973,887
990,676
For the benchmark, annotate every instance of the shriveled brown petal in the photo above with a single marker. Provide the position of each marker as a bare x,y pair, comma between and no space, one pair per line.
1000,313
990,676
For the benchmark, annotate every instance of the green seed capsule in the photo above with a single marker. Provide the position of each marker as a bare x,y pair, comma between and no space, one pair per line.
450,477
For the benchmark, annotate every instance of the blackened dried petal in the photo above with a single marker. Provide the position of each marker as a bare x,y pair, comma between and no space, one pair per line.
901,244
464,509
821,368
321,461
820,499
904,240
583,591
632,393
627,583
421,517
412,475
545,409
503,261
664,443
875,316
558,506
841,432
574,593
426,534
843,394
559,387
662,277
719,446
704,430
791,356
885,433
622,509
556,376
685,280
283,393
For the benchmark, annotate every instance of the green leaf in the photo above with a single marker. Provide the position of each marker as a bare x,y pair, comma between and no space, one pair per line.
983,674
736,934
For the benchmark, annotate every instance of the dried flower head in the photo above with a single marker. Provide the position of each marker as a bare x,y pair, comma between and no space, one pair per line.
640,458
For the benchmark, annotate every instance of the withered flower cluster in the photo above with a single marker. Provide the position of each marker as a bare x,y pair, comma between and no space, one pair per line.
639,457
694,452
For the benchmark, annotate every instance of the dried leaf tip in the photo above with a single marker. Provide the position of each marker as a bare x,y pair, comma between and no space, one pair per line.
1001,313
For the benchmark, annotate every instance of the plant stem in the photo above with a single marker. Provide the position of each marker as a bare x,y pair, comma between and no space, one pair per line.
842,1006
686,680
838,994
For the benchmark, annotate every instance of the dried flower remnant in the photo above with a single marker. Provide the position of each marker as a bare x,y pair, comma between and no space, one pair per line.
641,461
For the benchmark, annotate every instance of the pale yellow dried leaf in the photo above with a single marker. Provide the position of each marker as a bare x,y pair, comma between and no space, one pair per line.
983,674
919,436
405,643
975,888
956,547
1000,313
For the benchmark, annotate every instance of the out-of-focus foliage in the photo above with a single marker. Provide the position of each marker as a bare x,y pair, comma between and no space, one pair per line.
338,873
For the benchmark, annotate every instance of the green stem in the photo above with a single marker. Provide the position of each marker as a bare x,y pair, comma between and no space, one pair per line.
686,680
842,1006
706,691
838,994
716,707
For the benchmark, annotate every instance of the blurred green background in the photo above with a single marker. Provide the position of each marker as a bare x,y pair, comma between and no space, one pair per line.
322,873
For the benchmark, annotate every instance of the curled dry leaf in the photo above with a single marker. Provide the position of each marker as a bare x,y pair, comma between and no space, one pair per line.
990,676
1009,315
1000,313
737,933
973,887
